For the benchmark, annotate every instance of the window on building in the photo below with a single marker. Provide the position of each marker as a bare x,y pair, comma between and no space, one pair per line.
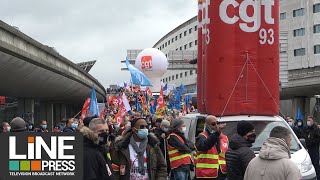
316,28
165,44
300,52
196,42
317,49
177,76
168,42
283,16
316,8
190,30
185,74
180,75
196,71
180,36
191,72
298,32
169,78
172,78
172,40
162,46
190,44
185,33
195,28
185,47
166,79
176,38
177,49
181,48
298,12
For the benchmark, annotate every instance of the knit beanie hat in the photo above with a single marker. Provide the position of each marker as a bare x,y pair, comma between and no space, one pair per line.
176,123
244,127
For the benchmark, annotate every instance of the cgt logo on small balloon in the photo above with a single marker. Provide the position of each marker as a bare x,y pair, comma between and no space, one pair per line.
42,156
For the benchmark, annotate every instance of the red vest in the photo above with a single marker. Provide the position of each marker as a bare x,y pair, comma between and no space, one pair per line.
176,157
209,162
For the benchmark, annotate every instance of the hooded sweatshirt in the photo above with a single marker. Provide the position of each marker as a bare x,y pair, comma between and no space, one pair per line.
273,163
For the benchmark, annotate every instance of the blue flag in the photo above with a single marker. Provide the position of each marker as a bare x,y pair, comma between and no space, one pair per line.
137,76
299,114
138,108
165,87
187,98
93,108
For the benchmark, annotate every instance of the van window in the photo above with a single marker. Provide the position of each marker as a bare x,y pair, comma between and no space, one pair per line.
263,129
200,125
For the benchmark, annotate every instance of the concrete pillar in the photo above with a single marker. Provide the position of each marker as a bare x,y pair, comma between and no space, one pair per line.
26,109
50,116
63,111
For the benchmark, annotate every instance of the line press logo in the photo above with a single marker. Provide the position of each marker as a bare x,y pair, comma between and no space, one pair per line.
43,155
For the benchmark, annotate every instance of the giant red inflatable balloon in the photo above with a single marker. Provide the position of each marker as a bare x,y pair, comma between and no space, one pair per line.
240,62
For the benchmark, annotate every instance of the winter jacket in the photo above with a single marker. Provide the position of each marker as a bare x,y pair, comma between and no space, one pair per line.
69,129
155,160
273,163
238,157
95,164
163,145
312,136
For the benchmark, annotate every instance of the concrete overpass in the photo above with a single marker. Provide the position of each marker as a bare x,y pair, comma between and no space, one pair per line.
34,72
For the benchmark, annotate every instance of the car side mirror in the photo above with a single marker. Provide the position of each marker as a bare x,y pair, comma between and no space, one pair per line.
303,142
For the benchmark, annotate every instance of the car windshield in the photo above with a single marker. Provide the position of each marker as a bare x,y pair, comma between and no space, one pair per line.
263,129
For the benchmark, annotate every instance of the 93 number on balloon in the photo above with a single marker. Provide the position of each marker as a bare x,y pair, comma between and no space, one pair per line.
266,36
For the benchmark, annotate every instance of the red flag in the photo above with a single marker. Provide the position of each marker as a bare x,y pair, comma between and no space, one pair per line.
85,108
149,92
118,117
160,104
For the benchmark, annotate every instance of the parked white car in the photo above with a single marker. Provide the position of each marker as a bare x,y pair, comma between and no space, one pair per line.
263,125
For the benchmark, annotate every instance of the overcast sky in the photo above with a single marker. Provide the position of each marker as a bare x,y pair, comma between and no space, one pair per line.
101,30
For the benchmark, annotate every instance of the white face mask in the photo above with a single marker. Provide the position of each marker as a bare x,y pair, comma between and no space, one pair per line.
8,128
184,129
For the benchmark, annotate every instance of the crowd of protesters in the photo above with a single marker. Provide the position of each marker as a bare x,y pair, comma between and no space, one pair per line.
157,149
146,146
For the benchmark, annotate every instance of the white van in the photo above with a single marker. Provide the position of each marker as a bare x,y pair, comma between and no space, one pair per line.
263,124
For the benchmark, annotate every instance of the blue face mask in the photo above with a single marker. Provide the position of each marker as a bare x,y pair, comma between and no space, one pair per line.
299,123
74,125
44,126
142,133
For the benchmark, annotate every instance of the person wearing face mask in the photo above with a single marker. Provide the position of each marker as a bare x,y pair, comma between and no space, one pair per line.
162,133
71,125
137,154
30,127
312,136
295,129
211,148
96,165
179,150
274,161
239,153
43,126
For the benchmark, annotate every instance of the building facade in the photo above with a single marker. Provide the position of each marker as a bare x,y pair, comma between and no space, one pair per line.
301,19
184,37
